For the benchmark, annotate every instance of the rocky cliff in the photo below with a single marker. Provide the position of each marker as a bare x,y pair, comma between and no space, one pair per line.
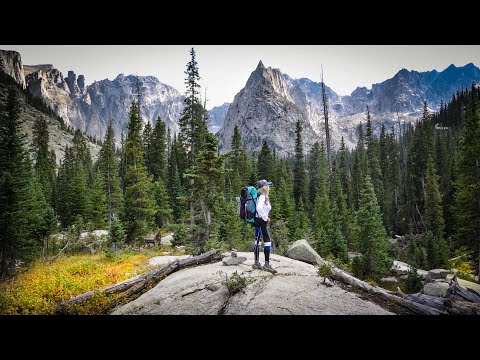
269,104
11,64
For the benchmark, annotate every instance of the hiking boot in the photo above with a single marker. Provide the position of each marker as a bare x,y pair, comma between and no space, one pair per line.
257,265
268,268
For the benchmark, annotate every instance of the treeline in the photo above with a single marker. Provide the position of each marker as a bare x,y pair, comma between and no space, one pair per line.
420,182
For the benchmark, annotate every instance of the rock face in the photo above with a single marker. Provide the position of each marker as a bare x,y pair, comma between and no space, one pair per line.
438,273
90,108
296,289
265,109
11,64
58,137
271,100
436,289
216,117
233,260
302,251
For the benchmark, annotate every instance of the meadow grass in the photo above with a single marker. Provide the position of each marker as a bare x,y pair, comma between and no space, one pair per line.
39,289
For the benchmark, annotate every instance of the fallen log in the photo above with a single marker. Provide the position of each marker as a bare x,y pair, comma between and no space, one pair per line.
141,282
427,300
456,289
412,306
52,259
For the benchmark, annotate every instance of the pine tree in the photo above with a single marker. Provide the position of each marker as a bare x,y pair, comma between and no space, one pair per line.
147,143
299,179
164,213
82,155
139,210
193,128
374,169
108,168
359,169
98,208
338,245
209,175
323,218
116,232
313,173
433,201
467,184
19,197
370,235
264,165
158,152
341,215
122,170
77,197
44,164
344,173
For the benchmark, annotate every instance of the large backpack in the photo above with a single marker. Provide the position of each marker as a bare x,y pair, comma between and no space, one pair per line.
247,204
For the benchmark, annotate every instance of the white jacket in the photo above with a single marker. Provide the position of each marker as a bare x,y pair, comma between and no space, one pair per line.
262,208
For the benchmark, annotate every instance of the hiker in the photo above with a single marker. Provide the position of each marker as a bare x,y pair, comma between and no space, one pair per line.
261,227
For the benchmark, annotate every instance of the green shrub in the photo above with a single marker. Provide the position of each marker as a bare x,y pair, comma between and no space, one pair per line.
236,282
324,271
413,283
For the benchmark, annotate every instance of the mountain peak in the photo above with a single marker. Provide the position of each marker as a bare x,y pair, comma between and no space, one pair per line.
260,65
451,67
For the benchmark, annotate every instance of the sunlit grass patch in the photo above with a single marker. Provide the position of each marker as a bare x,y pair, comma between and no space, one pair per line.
44,285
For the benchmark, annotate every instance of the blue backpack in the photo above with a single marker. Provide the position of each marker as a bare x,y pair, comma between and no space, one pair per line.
247,204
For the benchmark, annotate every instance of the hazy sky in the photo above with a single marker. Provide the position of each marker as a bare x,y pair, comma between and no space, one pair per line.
225,68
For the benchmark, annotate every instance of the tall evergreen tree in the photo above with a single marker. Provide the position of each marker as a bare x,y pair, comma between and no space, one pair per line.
193,127
158,152
147,139
108,169
139,210
467,184
209,175
163,214
370,235
313,173
44,163
433,201
264,165
299,178
22,205
98,208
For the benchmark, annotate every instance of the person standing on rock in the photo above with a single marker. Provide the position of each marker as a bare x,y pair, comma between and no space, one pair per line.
263,207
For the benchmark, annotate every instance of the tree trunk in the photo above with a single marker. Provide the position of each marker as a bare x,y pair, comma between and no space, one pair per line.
383,294
138,284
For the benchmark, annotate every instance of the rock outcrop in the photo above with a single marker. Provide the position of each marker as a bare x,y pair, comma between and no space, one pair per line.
11,64
272,100
302,251
296,290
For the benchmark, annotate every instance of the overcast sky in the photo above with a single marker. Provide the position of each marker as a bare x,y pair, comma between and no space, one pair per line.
224,69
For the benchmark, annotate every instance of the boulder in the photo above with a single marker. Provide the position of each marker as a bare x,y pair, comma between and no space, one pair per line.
438,289
422,273
295,290
438,273
167,239
390,279
393,241
400,268
353,254
233,254
99,233
233,260
302,251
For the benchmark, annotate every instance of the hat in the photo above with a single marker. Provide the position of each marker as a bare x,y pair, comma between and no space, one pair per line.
263,183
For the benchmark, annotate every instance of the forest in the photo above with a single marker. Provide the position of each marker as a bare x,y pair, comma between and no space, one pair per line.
418,183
